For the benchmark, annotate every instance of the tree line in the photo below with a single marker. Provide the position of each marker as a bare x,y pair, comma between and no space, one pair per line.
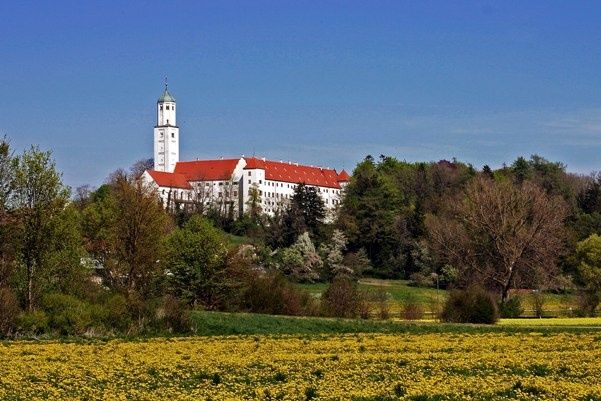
112,260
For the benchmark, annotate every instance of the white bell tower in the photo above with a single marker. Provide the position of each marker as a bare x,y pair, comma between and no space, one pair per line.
166,134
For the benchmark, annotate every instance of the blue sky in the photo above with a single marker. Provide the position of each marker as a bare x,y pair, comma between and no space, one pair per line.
320,82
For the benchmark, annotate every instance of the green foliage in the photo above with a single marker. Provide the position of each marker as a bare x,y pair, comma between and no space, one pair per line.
304,213
114,313
588,254
38,200
372,215
301,262
67,315
196,257
307,204
32,323
512,308
333,258
473,305
124,226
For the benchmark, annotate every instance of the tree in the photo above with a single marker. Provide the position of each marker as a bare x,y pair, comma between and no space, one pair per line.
254,202
309,202
7,222
124,227
373,217
588,252
38,199
500,235
333,257
196,262
301,262
139,167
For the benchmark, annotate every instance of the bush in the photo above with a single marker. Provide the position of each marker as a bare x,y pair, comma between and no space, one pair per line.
341,299
512,308
474,305
67,315
173,315
587,303
271,293
538,303
412,310
32,323
9,311
115,313
421,280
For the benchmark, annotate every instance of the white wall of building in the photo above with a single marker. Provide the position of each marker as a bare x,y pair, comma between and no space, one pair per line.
166,137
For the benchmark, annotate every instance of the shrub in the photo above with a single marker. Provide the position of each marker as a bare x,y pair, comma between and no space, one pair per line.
9,311
538,302
412,310
512,308
587,303
341,299
271,293
67,315
473,305
32,323
174,315
421,280
115,313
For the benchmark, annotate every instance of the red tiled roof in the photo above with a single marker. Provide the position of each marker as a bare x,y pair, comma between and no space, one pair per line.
207,170
291,172
343,176
170,180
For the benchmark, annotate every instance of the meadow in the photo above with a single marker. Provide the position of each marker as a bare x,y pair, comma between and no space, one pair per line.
393,361
399,292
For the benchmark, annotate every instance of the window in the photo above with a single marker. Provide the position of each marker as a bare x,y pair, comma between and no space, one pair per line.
249,173
249,181
260,181
220,183
161,107
235,193
167,107
173,133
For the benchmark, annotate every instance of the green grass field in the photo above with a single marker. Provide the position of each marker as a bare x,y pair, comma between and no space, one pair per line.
399,292
218,323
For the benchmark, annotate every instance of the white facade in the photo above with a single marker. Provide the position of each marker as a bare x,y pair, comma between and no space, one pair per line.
166,134
226,185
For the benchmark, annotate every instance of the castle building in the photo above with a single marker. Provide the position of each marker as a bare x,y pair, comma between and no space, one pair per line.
231,186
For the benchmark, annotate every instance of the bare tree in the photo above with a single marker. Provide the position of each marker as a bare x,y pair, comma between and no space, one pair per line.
138,168
500,235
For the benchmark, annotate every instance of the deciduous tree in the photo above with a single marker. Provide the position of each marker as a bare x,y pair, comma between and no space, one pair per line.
38,199
500,235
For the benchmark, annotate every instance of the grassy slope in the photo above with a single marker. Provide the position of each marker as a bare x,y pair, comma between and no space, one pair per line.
216,323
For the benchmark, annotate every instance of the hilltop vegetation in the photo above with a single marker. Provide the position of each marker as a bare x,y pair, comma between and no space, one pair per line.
111,260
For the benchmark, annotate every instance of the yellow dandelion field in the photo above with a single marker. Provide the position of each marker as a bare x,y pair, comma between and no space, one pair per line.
490,366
